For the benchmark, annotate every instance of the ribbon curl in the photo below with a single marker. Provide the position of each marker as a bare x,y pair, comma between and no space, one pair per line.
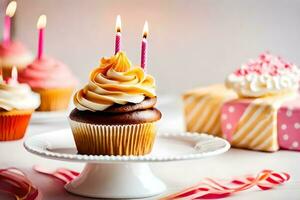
62,174
208,189
212,189
15,183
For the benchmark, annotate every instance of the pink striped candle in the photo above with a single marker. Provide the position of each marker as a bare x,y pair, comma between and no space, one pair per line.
10,11
6,30
41,24
144,47
118,43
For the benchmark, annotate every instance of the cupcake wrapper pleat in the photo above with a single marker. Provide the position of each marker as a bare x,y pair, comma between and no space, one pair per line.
54,99
133,139
13,127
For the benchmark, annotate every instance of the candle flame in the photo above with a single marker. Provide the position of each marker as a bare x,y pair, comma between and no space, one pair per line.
14,74
42,21
11,8
145,30
118,23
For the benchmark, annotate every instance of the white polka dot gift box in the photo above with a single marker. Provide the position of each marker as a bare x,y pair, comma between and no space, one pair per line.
265,113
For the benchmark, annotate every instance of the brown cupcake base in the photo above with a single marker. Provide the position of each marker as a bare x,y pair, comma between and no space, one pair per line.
105,118
120,130
129,107
134,139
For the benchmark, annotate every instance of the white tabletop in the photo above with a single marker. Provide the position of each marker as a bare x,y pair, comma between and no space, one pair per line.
177,175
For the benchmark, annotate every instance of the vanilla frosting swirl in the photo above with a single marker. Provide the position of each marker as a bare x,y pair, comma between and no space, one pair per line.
114,82
268,75
17,96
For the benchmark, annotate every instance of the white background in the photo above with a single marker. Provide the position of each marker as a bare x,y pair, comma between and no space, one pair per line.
194,42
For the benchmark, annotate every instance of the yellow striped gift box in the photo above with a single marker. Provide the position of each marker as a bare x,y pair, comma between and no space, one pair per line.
202,108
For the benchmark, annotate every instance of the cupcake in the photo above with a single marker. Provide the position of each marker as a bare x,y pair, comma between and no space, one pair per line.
52,80
17,102
13,53
115,112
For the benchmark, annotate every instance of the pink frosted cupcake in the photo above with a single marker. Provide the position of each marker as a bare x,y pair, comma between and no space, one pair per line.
52,80
13,53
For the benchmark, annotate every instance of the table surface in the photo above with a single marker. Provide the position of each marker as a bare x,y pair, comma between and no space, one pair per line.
176,175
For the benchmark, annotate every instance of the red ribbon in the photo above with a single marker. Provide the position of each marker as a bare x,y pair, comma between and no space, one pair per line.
62,174
211,189
15,183
208,189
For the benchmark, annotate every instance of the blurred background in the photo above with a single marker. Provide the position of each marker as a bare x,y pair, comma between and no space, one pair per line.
191,42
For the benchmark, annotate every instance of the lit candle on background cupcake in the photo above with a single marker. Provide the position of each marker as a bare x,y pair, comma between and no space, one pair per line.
12,52
144,46
49,77
13,80
10,11
118,44
41,24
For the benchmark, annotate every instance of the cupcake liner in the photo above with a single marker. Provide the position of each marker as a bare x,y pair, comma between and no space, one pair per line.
131,139
13,124
54,99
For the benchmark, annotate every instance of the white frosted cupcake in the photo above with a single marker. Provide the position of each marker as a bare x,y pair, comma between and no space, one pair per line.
17,102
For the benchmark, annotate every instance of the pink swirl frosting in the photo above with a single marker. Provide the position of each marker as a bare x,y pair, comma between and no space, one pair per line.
47,73
14,53
12,48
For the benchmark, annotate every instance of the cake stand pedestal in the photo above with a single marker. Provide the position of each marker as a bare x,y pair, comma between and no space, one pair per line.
123,176
123,180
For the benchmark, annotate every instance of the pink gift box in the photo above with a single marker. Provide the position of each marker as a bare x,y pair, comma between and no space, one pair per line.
289,125
262,126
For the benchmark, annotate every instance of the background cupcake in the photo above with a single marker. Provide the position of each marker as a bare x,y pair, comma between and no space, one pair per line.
49,77
115,112
12,53
17,102
52,80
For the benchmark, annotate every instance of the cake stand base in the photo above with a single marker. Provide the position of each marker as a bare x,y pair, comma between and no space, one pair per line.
123,176
116,180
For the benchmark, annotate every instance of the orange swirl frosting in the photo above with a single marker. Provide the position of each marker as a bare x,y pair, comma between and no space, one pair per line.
116,81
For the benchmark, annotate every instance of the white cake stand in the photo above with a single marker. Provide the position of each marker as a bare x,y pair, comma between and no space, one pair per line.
46,117
124,176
